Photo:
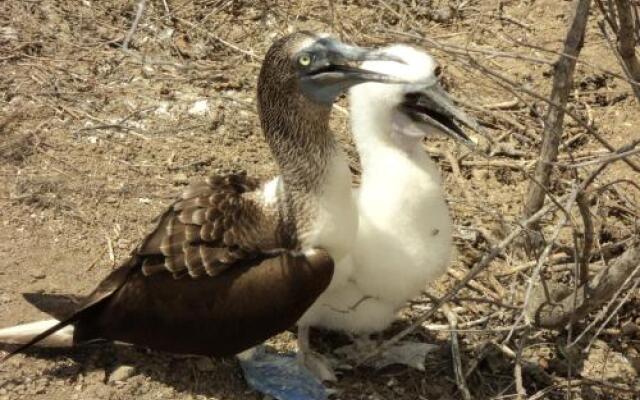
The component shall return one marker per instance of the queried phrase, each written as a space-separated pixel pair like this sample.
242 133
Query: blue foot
280 376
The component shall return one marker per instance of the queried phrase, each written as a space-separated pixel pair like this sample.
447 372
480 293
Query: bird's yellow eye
304 60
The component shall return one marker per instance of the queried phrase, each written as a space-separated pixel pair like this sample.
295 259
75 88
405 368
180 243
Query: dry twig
620 20
455 352
553 315
225 43
134 25
562 83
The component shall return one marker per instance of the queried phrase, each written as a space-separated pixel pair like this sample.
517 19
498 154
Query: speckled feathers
215 223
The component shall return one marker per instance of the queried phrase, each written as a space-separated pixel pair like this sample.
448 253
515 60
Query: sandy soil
95 141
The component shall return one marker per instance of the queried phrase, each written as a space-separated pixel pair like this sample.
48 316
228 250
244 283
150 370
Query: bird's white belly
379 287
403 243
346 308
391 264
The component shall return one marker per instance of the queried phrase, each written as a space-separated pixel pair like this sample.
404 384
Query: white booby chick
404 236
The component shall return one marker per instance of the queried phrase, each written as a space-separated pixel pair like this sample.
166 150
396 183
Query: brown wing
213 225
215 316
216 226
218 316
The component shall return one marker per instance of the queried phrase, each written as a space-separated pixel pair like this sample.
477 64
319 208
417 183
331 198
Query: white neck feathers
336 221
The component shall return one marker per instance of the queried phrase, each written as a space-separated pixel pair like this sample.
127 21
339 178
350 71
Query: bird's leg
363 343
313 361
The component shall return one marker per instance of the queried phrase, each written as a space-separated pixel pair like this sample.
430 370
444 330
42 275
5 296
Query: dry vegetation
101 124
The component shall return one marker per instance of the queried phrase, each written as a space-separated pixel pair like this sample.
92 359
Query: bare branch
225 43
134 25
500 78
455 352
626 43
562 83
587 239
517 369
589 297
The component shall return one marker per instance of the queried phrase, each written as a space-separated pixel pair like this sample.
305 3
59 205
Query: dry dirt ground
96 140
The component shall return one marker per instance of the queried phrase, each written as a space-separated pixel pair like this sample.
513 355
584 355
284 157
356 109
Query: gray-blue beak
431 105
330 73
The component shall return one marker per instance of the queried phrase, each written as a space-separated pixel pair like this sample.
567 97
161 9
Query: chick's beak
432 106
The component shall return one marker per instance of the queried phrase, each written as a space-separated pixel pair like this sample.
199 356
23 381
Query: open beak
432 106
335 72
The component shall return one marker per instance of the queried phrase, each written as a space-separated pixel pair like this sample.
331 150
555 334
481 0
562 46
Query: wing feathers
152 266
213 225
172 244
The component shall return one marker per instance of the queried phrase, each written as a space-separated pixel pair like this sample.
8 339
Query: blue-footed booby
404 238
233 261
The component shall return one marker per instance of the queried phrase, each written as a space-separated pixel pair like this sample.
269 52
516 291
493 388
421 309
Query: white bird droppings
200 107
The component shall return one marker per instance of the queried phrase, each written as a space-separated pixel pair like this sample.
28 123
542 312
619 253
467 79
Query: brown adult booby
233 262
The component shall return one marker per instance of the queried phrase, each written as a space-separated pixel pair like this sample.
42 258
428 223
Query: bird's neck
316 180
302 145
404 158
392 160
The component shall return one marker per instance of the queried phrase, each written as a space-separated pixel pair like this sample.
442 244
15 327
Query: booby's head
316 66
413 110
301 76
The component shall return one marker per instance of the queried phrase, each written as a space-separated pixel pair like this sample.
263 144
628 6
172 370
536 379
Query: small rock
200 107
444 14
147 71
180 178
166 34
122 373
8 34
162 109
479 174
123 244
618 368
204 364
467 234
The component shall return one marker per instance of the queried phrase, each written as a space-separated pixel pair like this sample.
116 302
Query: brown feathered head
301 76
